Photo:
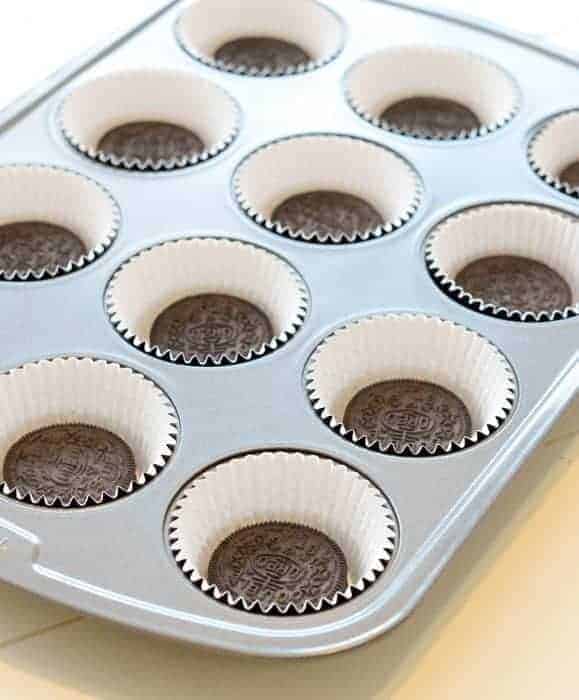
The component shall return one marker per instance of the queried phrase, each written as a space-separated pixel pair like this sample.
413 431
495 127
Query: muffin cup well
413 347
194 266
209 24
538 233
300 164
291 487
94 108
553 148
71 390
390 76
39 193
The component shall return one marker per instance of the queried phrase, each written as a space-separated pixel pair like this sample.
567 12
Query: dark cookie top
262 53
211 325
408 413
35 246
155 141
69 461
430 116
327 213
515 283
571 175
278 564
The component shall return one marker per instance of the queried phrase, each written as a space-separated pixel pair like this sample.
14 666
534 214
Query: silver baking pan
114 560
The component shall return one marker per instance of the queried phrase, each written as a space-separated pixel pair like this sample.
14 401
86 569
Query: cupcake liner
387 77
291 487
413 347
70 390
194 266
300 164
46 194
180 98
538 233
209 24
553 148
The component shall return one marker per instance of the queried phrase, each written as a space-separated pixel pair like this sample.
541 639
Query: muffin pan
360 325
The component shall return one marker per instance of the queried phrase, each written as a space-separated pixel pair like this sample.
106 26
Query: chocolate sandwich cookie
262 53
36 246
430 116
408 413
515 283
570 175
278 564
327 213
154 141
211 326
69 462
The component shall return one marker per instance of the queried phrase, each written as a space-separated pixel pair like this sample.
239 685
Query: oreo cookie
431 117
69 462
150 141
262 54
211 326
570 175
327 213
36 246
278 564
408 414
515 283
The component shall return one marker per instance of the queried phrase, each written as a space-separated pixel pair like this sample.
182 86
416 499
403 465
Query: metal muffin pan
113 560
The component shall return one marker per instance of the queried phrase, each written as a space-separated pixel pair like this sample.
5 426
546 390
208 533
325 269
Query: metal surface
113 560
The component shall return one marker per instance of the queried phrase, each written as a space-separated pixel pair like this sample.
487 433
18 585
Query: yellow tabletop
501 622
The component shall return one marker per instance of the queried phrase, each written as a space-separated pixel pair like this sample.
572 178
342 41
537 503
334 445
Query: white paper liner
63 198
300 164
283 487
209 24
70 390
414 347
538 233
554 148
390 76
177 97
158 277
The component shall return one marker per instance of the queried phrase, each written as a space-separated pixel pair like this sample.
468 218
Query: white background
38 36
